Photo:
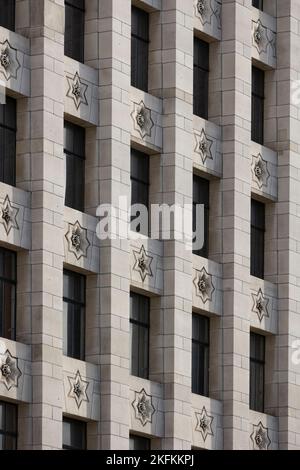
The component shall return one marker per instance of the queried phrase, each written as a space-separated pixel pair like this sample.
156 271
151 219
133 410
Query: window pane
200 355
139 331
74 315
8 426
139 49
257 238
74 434
7 14
258 85
201 196
74 30
139 443
7 293
201 71
257 366
258 4
8 142
75 166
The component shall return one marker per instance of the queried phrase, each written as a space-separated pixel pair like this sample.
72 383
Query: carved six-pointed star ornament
260 38
77 239
142 119
204 285
260 171
203 146
9 370
260 437
78 389
204 423
143 407
142 263
8 215
9 63
77 90
260 305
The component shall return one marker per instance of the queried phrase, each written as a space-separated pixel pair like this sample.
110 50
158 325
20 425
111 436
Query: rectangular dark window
139 49
257 239
8 285
74 315
200 355
258 103
139 184
139 443
257 372
74 29
7 14
201 71
201 197
258 4
8 132
8 426
74 434
139 333
75 166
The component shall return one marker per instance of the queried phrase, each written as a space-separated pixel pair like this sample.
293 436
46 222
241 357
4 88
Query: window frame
84 437
11 282
142 440
12 434
203 191
259 4
257 252
201 69
142 369
9 107
258 105
140 51
82 306
200 385
73 200
257 399
80 55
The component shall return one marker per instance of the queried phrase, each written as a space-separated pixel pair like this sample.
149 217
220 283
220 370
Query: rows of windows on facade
74 432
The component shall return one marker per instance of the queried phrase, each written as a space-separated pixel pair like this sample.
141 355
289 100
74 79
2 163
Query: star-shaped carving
260 171
143 407
142 119
9 370
78 389
202 9
143 263
204 423
204 285
8 216
77 90
78 242
260 305
203 146
260 437
9 63
260 39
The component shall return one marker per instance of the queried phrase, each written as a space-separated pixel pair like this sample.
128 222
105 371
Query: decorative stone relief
78 389
143 407
204 423
78 242
9 64
260 437
77 90
260 305
10 372
263 38
142 119
204 285
206 9
203 146
9 216
143 263
260 172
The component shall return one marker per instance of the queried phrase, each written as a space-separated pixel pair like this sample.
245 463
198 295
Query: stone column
236 84
176 161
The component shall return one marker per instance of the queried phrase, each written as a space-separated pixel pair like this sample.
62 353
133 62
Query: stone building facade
44 384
